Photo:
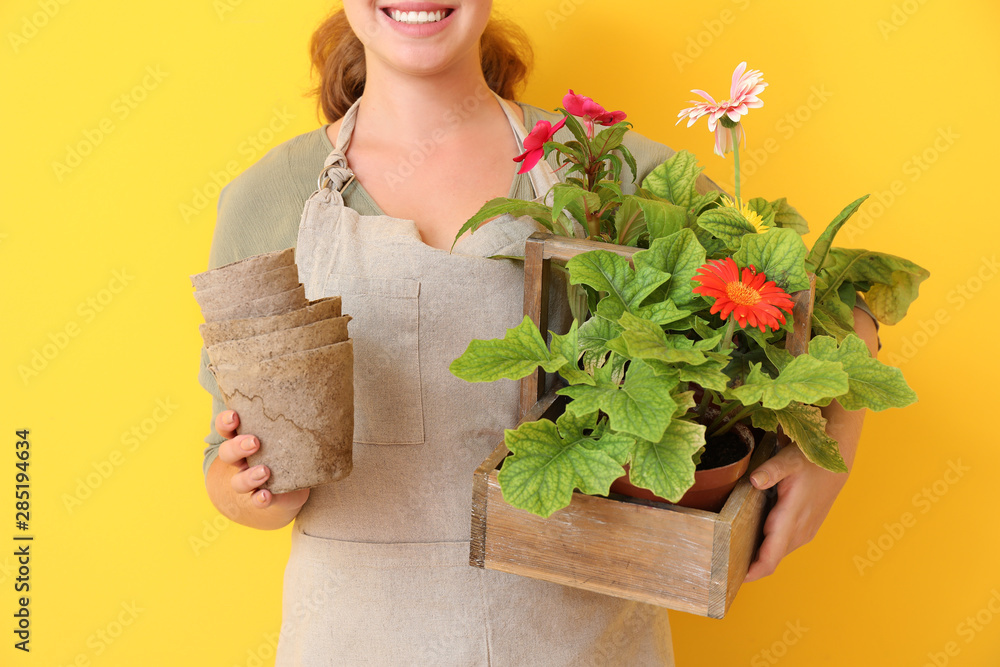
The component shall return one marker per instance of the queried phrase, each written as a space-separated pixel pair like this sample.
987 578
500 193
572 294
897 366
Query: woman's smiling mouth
416 17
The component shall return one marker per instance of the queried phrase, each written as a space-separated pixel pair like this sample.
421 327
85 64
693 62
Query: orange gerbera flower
751 298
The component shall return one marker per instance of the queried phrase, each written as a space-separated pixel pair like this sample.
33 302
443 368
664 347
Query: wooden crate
676 557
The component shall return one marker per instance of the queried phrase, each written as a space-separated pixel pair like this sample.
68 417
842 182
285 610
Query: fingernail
259 473
249 444
261 497
759 479
229 418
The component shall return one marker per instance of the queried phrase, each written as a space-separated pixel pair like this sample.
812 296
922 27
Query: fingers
237 449
772 550
777 468
248 480
777 534
226 423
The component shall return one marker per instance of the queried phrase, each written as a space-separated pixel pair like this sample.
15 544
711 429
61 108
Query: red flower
591 112
534 143
751 297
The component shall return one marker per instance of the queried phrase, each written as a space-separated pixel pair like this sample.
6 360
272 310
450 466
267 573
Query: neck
398 107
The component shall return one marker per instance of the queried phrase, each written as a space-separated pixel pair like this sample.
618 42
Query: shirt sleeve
258 212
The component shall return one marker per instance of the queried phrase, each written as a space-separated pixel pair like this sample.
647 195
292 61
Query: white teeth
416 17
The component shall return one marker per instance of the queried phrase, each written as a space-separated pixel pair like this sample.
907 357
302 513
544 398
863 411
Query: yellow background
142 569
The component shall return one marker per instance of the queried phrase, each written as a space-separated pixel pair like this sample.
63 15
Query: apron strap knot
335 175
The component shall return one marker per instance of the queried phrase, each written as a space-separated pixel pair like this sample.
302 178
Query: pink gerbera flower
534 143
751 298
724 117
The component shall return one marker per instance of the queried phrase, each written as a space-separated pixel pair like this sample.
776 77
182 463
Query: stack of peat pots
284 364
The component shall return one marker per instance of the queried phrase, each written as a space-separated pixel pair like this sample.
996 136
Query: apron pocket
385 329
354 603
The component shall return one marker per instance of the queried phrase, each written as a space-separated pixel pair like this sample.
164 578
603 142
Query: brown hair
339 57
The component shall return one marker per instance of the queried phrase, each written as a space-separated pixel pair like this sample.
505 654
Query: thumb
776 468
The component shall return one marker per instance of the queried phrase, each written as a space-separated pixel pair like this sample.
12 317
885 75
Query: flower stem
706 398
736 159
734 420
723 411
726 343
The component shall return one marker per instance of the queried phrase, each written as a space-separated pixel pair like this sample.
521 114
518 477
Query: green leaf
685 401
550 460
778 356
638 215
714 248
787 217
726 224
833 316
848 294
500 205
616 364
805 379
674 180
662 312
629 160
817 256
572 149
780 254
574 199
826 318
567 346
703 201
895 282
630 222
593 337
646 340
681 255
872 384
513 357
642 406
765 420
574 126
760 206
609 190
805 425
662 218
609 138
708 374
666 466
608 272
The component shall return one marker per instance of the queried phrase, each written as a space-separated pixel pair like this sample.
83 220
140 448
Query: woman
378 572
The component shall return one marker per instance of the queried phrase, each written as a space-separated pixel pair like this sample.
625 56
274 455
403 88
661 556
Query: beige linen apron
379 571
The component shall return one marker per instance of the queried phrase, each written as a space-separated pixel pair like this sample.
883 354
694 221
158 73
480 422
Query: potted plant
696 323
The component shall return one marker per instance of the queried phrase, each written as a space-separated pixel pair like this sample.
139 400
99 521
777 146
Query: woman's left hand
805 495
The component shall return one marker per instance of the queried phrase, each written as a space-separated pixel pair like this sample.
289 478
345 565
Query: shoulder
259 210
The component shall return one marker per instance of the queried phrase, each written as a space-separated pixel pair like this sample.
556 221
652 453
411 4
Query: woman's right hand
248 479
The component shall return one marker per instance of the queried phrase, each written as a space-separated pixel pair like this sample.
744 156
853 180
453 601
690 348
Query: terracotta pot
711 487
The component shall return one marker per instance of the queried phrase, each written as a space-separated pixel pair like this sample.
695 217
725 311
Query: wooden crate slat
606 546
536 306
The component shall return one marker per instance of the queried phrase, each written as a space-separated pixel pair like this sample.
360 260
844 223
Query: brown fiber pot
711 487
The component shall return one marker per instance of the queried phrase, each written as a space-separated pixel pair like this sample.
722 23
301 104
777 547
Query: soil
722 451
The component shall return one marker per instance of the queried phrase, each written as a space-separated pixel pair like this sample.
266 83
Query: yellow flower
751 216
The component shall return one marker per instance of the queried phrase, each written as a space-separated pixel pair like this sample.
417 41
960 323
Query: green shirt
259 211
